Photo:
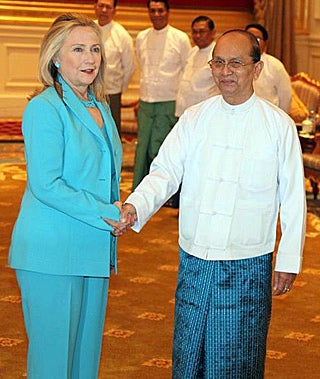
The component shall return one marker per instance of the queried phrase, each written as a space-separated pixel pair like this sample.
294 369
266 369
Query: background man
119 53
238 158
197 83
161 51
274 82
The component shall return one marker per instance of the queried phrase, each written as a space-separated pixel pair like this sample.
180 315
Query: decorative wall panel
224 4
302 14
20 55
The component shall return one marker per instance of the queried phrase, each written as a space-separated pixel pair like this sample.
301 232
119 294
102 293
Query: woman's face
80 58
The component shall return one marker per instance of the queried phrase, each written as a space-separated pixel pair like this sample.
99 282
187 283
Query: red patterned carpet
138 328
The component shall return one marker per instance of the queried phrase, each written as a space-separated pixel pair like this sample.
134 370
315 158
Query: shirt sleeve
292 202
128 60
185 50
165 175
284 88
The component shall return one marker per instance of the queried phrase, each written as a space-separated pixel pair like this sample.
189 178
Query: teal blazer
73 177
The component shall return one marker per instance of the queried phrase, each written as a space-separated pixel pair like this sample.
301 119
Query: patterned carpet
10 130
138 328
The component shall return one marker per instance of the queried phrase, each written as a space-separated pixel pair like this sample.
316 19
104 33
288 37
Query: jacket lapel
84 117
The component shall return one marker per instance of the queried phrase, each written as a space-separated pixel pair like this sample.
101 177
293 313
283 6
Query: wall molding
23 24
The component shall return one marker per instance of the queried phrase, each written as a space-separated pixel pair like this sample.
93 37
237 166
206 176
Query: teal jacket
73 177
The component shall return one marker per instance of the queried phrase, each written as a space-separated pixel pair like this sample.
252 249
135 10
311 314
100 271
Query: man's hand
127 219
128 214
283 282
118 204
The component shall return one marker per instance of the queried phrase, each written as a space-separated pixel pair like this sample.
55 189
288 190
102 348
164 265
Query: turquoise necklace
88 103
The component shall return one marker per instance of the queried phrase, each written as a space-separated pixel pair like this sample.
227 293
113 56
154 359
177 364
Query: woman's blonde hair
52 44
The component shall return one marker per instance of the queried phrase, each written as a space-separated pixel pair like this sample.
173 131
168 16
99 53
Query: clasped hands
128 217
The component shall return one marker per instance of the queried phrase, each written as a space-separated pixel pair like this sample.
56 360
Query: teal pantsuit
155 121
64 318
61 248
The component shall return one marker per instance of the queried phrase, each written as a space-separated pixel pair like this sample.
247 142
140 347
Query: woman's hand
127 219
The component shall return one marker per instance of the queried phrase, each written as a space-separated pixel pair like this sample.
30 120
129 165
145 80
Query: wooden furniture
307 89
311 160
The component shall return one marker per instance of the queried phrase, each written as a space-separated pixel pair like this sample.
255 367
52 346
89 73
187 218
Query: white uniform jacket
162 56
120 59
274 83
239 165
197 83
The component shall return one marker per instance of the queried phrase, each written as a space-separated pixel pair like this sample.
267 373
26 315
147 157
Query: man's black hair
262 29
114 3
207 19
165 2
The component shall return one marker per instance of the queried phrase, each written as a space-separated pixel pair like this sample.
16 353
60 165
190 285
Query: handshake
128 217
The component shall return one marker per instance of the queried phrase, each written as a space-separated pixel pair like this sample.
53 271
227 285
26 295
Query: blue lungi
222 315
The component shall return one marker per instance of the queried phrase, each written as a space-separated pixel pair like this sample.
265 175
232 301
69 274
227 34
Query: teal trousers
64 319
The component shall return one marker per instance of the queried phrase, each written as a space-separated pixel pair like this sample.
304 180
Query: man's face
159 15
105 11
258 34
201 34
235 84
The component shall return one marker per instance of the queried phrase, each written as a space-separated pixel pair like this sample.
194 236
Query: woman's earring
57 64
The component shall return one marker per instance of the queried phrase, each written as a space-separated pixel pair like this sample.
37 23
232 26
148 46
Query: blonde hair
52 44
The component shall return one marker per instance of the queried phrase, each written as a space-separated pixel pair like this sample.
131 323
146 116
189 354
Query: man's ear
258 67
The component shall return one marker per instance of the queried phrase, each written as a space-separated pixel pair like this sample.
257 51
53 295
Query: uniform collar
243 107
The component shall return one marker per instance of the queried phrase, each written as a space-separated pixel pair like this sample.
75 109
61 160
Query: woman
62 249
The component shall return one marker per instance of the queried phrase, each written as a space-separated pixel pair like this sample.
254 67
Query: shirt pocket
252 225
259 171
171 61
113 57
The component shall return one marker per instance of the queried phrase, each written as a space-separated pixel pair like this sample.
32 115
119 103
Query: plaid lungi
222 315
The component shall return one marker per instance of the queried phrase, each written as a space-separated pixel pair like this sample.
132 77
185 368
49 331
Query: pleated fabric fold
222 316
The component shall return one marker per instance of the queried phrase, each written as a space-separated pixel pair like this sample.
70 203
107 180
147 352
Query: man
239 161
161 51
119 55
197 84
274 82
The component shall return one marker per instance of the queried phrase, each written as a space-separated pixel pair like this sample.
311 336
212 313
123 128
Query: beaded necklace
88 103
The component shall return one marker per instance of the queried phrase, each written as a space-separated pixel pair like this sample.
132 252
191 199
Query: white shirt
119 57
238 165
274 83
161 55
197 83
